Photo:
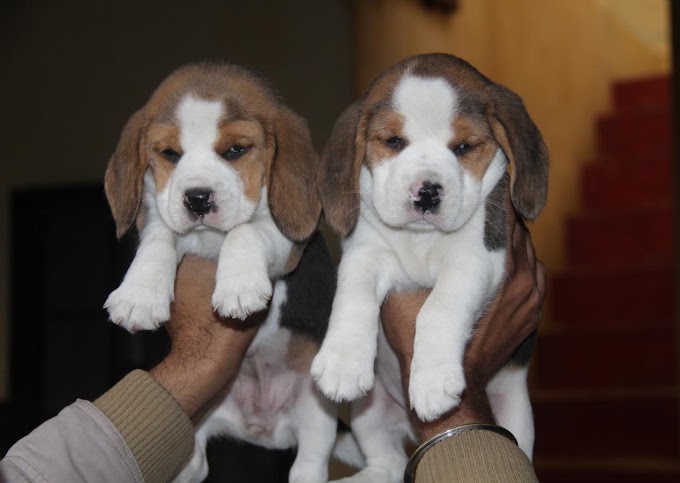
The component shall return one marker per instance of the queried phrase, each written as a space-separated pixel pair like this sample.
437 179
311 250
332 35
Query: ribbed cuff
475 452
155 428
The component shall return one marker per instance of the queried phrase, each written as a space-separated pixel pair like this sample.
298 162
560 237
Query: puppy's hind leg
510 403
380 426
317 424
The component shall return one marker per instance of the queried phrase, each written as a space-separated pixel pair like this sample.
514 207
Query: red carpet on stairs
604 373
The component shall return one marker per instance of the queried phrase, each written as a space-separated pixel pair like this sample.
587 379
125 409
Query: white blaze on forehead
428 105
198 121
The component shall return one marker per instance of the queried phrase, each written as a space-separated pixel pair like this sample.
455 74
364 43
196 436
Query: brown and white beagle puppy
216 165
417 176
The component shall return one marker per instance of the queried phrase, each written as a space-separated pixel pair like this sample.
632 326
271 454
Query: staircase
605 371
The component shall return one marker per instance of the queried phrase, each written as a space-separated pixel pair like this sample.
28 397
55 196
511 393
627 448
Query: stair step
653 158
611 239
615 323
628 294
629 184
633 133
611 470
642 93
641 426
605 358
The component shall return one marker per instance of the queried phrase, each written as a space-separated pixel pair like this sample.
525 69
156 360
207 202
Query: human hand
510 318
207 349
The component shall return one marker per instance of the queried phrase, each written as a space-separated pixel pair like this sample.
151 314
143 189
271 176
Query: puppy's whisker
356 208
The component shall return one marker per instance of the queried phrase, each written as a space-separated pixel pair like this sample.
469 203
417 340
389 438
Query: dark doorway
65 261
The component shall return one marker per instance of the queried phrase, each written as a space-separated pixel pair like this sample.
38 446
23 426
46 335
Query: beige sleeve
155 428
471 456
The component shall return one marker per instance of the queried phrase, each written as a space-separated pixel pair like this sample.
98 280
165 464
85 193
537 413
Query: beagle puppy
417 177
216 165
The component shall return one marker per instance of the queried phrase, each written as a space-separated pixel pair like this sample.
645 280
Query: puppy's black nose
198 201
428 196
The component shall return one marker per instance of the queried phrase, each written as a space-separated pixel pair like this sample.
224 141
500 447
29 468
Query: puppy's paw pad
239 296
343 373
435 390
138 308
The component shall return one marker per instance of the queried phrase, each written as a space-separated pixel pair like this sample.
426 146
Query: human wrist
474 408
205 356
193 383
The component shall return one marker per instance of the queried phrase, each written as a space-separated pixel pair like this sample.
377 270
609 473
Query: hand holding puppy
207 349
511 317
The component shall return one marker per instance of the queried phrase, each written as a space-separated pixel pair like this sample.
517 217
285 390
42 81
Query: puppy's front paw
239 296
138 307
343 371
436 389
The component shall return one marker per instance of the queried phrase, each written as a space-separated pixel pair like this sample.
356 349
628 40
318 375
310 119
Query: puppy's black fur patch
495 237
310 292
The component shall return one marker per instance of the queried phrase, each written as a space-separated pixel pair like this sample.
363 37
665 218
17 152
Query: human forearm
206 349
194 379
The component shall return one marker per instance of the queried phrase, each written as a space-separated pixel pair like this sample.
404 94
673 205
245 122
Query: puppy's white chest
420 258
202 242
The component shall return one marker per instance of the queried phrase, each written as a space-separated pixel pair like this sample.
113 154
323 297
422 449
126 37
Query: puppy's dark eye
396 143
234 152
462 149
171 155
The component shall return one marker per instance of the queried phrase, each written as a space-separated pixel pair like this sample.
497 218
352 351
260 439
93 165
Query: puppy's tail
346 447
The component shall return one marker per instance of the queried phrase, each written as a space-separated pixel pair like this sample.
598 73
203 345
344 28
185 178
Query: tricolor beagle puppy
216 165
417 176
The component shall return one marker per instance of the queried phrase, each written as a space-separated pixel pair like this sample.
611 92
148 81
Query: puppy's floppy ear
293 199
523 145
124 180
340 167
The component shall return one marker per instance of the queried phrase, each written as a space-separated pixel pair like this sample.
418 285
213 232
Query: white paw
433 390
343 371
239 295
138 307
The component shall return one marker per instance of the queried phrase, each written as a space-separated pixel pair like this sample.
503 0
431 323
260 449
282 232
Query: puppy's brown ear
339 170
523 145
124 180
293 200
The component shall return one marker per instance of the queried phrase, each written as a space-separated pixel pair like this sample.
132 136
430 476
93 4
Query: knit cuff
155 428
475 452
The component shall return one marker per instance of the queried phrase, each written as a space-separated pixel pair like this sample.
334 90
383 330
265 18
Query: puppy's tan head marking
487 116
260 138
384 135
473 144
242 143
